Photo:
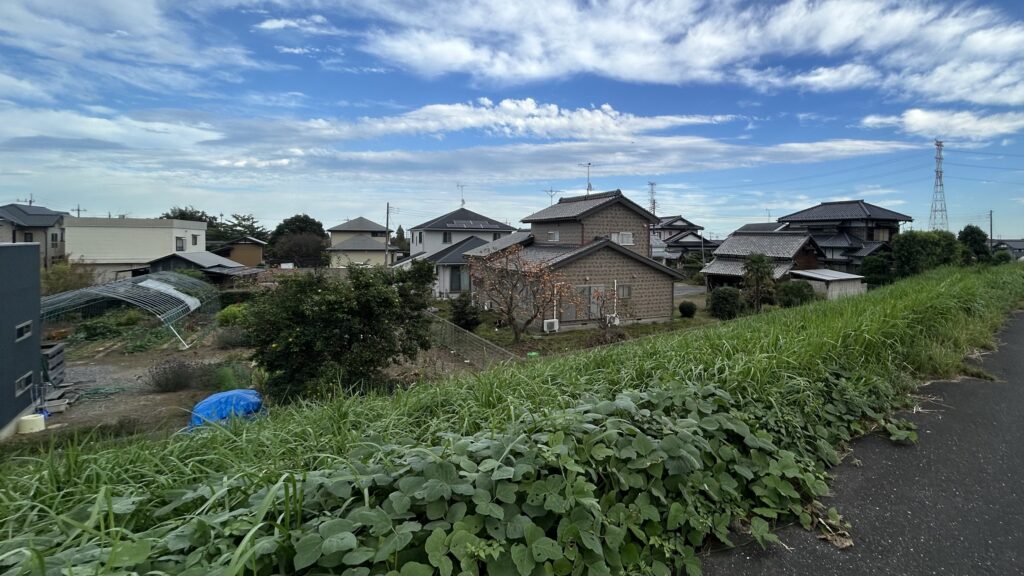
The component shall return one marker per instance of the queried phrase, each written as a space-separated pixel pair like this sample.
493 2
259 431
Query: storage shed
20 360
831 283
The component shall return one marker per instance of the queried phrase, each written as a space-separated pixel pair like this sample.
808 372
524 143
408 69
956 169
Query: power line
969 151
812 176
986 180
985 167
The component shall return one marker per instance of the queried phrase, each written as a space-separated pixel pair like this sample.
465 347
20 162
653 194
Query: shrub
465 314
795 293
231 337
758 281
232 315
98 328
176 374
66 276
915 252
315 325
725 303
877 270
687 309
1002 257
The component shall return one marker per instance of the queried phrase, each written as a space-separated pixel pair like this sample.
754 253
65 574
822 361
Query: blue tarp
224 405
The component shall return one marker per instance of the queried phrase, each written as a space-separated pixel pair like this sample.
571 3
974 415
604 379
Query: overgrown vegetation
795 293
465 314
176 374
66 276
316 326
725 303
626 459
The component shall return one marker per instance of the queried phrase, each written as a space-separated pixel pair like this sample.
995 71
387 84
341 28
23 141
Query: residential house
216 268
27 223
848 230
20 361
601 245
246 250
360 241
668 226
788 251
452 228
691 243
122 247
452 267
1014 247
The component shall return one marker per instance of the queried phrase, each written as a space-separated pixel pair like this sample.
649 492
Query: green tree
758 280
725 303
65 276
877 269
314 326
465 314
975 243
400 240
304 248
915 252
298 224
215 229
245 225
1002 257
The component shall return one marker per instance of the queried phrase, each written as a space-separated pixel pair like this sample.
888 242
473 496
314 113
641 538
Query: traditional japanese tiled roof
845 210
867 249
500 244
577 207
734 267
675 223
203 259
463 219
763 227
358 224
771 244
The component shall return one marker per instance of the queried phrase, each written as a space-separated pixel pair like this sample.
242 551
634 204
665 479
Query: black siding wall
19 303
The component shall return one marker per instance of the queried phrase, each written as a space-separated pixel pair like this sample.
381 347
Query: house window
446 237
22 331
625 291
552 235
53 240
61 234
496 235
179 243
27 236
622 238
419 237
23 383
195 239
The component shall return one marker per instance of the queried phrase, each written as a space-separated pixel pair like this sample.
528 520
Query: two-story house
122 247
848 230
452 228
360 241
25 223
601 245
787 250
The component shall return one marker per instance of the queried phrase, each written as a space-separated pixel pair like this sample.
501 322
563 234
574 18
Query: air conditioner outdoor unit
551 325
612 319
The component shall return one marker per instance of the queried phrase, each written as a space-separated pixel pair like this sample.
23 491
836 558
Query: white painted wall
129 241
433 239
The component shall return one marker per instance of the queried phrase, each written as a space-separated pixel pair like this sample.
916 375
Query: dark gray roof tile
463 219
845 210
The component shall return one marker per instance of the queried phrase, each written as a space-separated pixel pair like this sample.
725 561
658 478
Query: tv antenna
30 200
653 200
462 192
78 210
551 194
588 165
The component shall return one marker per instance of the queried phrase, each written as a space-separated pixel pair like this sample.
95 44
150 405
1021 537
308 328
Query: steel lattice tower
939 219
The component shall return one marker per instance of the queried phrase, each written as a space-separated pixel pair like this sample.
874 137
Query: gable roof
763 227
845 210
1011 244
781 245
202 259
869 248
500 244
734 267
675 223
578 207
358 244
689 238
358 224
463 219
826 275
456 253
30 216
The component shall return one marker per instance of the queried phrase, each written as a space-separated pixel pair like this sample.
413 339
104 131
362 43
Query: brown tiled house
788 251
600 244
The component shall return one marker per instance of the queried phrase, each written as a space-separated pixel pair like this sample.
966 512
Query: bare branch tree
520 290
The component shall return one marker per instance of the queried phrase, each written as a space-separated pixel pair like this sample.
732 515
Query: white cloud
299 50
950 123
312 25
21 89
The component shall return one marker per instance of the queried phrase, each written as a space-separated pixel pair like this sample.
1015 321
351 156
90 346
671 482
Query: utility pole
588 165
551 194
990 231
78 210
387 235
653 201
939 219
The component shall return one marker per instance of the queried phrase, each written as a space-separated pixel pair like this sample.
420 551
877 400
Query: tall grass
881 342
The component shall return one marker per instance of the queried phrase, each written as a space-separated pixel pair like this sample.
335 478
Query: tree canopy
975 243
298 224
758 280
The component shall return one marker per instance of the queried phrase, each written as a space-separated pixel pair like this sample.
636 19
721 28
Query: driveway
952 504
684 290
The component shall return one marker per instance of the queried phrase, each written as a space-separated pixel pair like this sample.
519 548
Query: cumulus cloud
949 123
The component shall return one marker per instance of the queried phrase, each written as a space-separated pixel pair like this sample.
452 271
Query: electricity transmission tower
653 201
939 219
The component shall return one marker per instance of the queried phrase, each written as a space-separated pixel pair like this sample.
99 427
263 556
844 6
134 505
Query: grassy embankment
631 457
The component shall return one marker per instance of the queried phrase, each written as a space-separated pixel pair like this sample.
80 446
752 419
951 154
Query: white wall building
116 246
452 228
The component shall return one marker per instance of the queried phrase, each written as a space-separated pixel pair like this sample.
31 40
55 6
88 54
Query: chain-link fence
478 351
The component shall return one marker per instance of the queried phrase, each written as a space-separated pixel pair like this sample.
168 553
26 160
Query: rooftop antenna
78 210
588 165
551 194
769 212
654 202
30 200
462 192
939 219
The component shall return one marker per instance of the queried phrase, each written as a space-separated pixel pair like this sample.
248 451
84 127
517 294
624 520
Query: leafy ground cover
625 459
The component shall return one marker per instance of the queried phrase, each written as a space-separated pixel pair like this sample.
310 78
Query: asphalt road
682 290
953 504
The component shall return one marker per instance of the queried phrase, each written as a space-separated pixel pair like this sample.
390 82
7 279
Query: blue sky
737 110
